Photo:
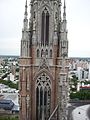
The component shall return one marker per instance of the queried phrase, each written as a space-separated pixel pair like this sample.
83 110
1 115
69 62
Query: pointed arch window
43 97
46 52
45 28
50 53
42 29
42 52
38 53
34 16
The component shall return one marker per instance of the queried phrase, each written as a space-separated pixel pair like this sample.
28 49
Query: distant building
1 97
6 106
89 72
85 87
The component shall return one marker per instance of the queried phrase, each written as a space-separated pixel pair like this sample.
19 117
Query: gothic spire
26 13
25 17
64 13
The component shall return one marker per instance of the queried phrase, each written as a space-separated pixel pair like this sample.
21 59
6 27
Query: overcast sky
78 25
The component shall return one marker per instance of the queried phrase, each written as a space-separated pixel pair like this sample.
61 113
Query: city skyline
78 24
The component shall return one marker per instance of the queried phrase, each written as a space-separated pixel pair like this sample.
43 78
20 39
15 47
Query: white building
79 73
89 72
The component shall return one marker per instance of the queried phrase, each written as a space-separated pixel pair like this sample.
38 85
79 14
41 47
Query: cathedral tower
44 62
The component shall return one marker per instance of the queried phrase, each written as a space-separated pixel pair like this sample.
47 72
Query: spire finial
25 16
26 10
64 13
64 7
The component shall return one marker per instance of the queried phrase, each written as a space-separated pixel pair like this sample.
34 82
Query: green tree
73 83
9 83
9 118
81 95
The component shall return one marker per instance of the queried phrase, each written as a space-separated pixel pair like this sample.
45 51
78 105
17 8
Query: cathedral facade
43 62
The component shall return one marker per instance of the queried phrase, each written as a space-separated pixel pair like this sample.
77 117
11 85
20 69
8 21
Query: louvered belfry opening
45 28
43 97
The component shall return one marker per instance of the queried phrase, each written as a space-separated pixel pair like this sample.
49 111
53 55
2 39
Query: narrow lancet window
42 29
38 53
46 52
50 53
42 52
45 28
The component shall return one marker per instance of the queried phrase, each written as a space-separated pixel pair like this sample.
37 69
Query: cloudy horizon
78 25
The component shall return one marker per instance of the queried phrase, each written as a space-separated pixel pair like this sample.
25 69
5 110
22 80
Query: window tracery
43 96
